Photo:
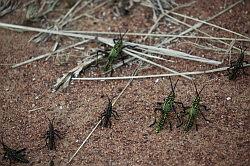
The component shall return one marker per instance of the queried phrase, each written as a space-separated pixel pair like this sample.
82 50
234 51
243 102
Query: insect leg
244 72
179 119
115 114
21 150
46 140
153 123
204 117
100 52
233 64
57 133
109 123
180 103
129 47
159 103
196 126
245 62
170 125
156 109
205 107
111 71
115 40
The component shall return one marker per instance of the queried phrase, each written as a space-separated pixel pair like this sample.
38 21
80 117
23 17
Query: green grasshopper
166 108
235 66
195 110
114 53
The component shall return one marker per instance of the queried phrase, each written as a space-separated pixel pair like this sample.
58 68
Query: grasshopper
14 155
235 66
195 110
114 53
106 115
50 136
166 108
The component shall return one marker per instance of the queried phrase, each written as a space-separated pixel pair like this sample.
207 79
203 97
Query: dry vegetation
48 55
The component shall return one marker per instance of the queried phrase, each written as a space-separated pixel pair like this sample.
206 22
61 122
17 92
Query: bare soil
130 140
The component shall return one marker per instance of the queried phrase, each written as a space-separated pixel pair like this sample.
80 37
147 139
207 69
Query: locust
14 155
113 54
51 135
236 66
107 114
194 111
166 108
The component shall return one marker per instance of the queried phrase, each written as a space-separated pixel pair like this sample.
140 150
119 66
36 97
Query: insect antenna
108 98
175 84
51 121
121 36
242 50
173 87
197 94
171 84
201 90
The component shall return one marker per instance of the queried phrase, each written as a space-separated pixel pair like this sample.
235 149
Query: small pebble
228 98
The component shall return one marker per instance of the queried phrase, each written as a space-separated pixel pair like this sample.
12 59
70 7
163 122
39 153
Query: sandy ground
130 141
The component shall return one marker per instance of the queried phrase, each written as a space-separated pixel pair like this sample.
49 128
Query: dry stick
160 6
209 19
86 139
229 51
174 53
101 39
200 24
153 27
157 21
210 24
194 27
73 35
48 54
155 76
73 12
59 23
104 40
155 64
212 48
71 9
88 12
157 35
35 109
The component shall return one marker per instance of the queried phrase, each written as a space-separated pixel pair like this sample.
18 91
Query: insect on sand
195 110
51 135
113 54
236 66
166 108
107 114
13 155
